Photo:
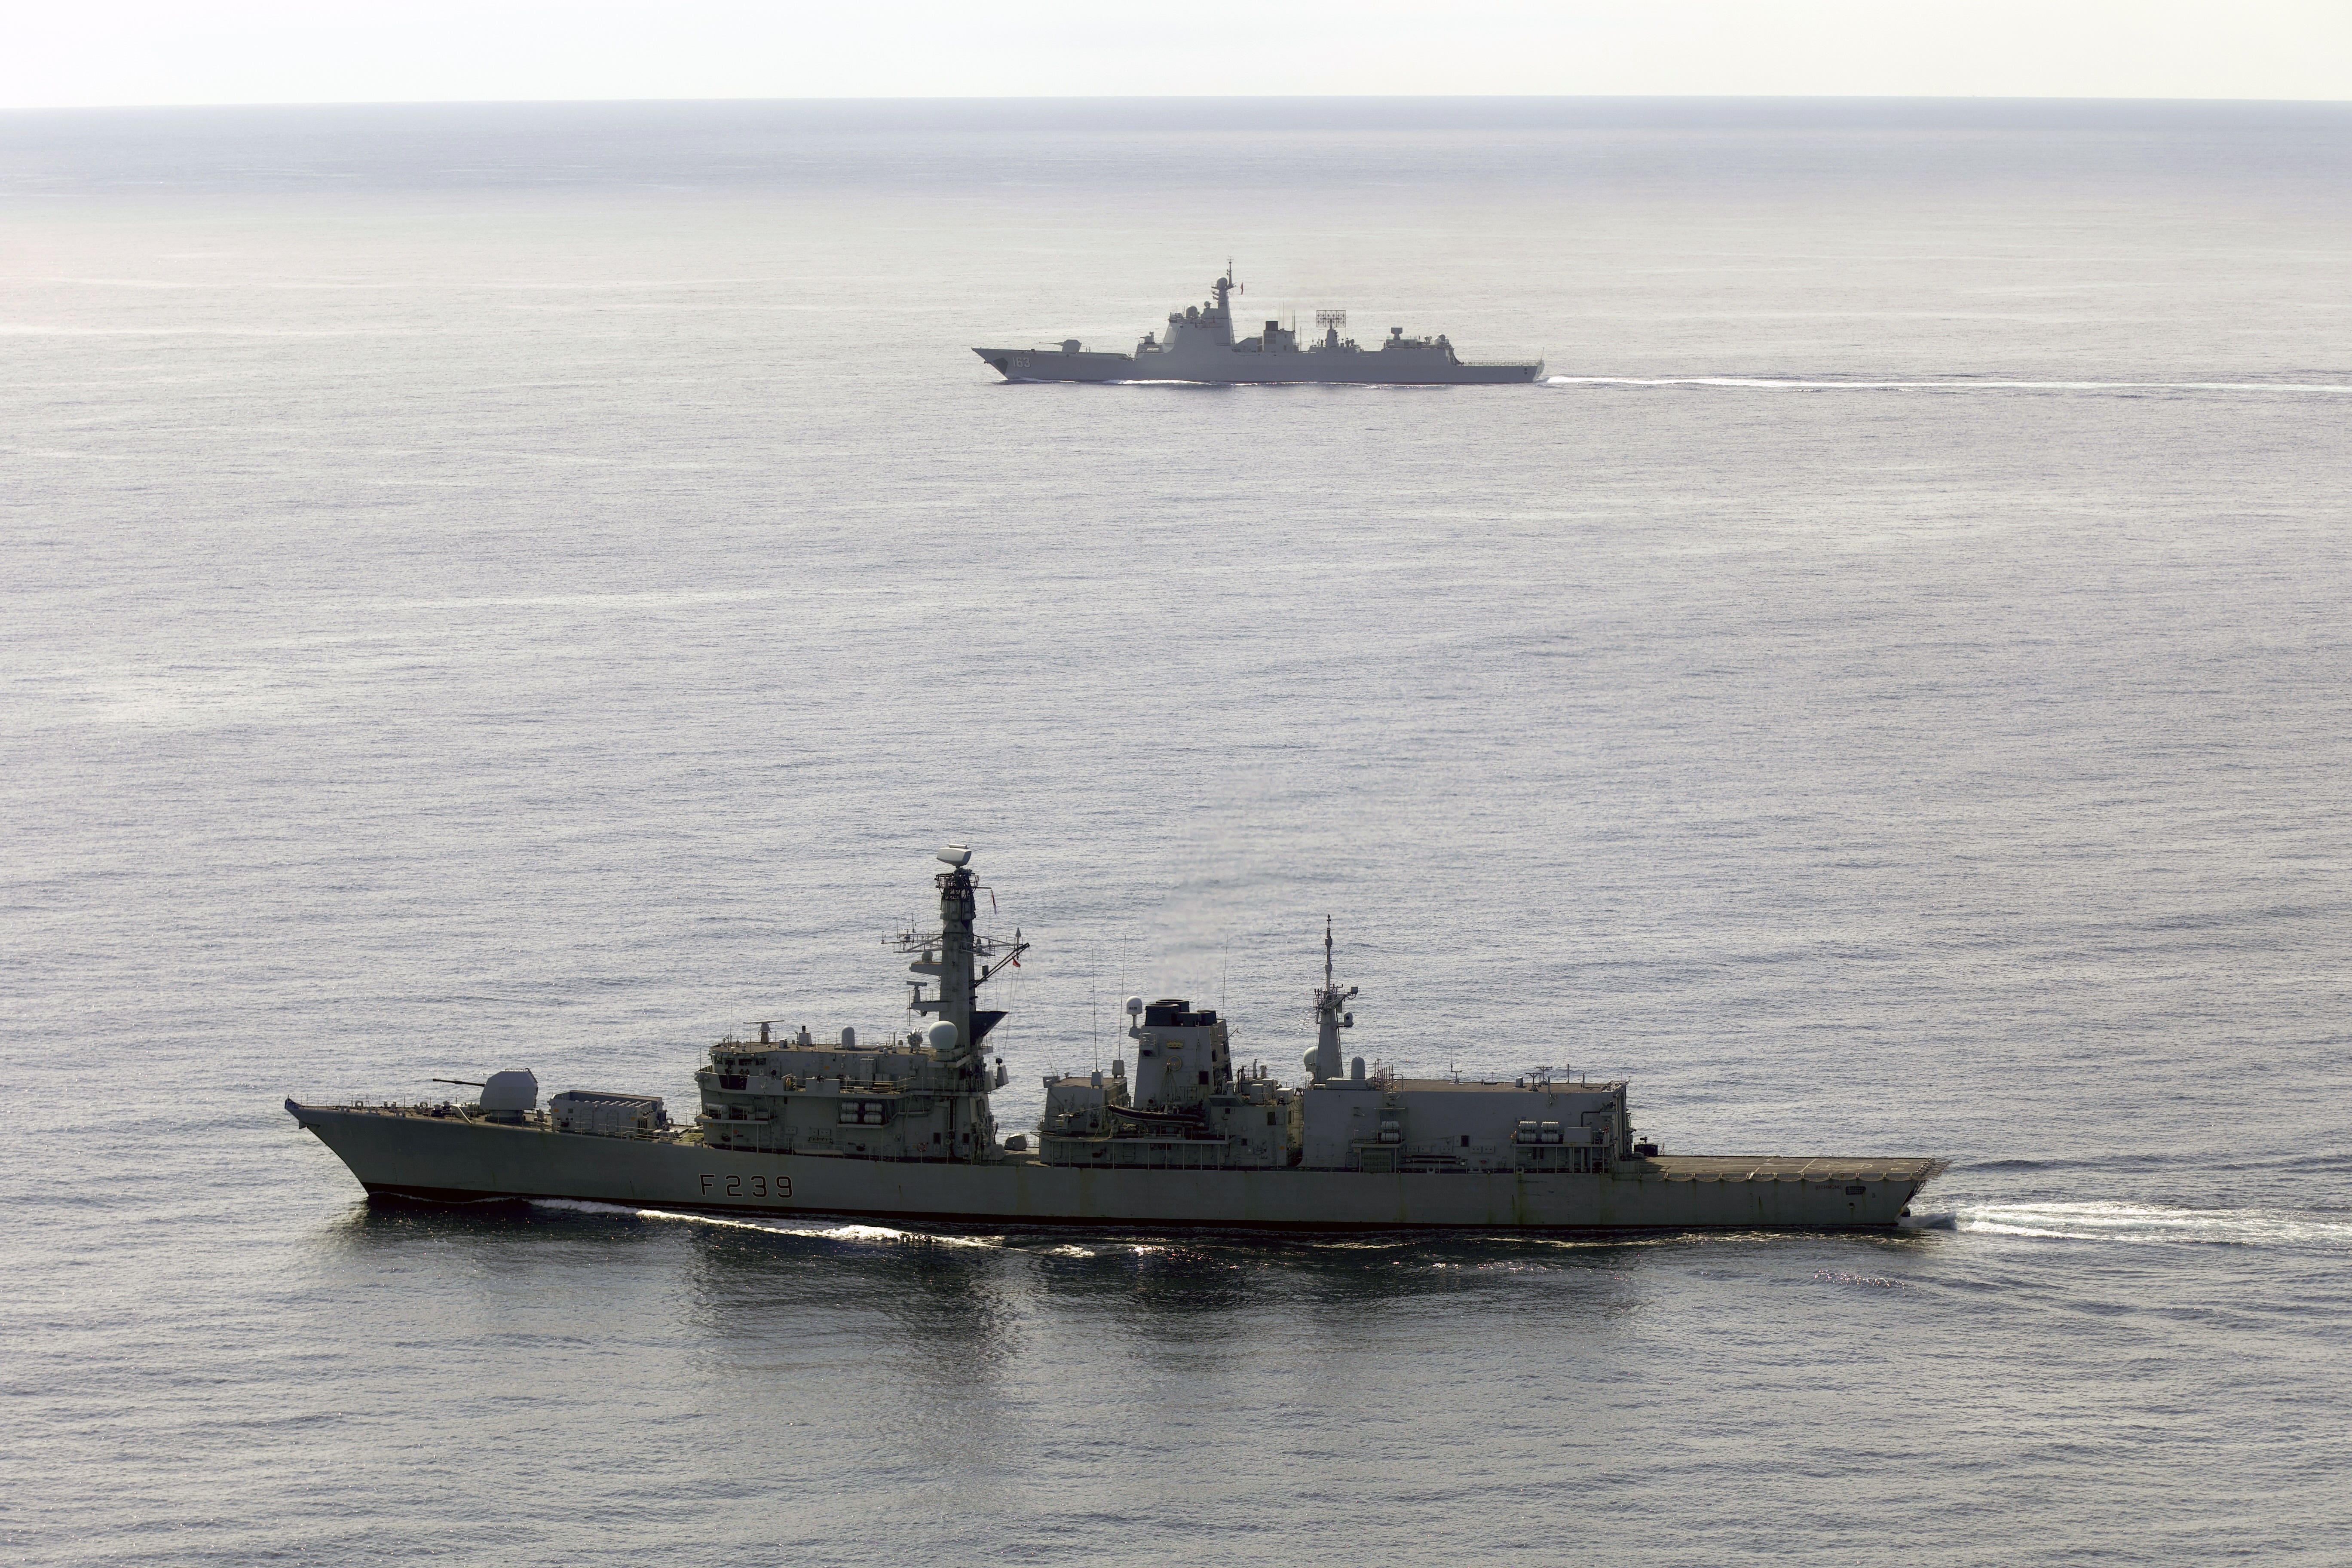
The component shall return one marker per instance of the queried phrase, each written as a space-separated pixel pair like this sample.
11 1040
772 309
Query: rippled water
530 587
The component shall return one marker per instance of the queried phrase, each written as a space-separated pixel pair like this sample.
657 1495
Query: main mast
958 957
1220 318
1323 1062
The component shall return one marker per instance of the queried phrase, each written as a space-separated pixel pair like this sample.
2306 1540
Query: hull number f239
746 1186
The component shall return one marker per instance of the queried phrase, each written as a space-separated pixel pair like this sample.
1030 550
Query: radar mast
960 958
1323 1062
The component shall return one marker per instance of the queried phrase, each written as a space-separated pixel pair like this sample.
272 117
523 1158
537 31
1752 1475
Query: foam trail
867 1233
1948 385
2156 1223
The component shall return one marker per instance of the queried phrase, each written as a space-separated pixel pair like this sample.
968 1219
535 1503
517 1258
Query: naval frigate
1189 1135
1200 346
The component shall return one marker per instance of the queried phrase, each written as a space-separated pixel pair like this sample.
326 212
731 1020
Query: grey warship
1188 1135
1200 346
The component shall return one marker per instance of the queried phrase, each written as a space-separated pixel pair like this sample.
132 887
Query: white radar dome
957 854
941 1037
1134 1005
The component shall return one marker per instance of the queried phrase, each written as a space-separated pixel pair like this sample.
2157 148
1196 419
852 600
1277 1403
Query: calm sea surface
500 587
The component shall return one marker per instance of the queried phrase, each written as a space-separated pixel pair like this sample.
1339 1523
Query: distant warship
1188 1136
1201 346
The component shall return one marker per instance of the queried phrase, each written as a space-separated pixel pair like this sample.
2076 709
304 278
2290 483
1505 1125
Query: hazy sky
61 52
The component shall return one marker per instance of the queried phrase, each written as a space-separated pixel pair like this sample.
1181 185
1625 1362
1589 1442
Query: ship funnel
957 854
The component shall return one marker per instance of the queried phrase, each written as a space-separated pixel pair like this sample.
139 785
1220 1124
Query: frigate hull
1181 1132
1246 369
399 1153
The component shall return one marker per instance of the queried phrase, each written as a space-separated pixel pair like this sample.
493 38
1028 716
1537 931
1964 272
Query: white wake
880 1234
1946 384
2156 1223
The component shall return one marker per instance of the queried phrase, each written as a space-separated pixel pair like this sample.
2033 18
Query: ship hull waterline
425 1159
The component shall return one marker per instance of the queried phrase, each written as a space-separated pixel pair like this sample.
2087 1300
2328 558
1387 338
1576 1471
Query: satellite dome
941 1037
957 855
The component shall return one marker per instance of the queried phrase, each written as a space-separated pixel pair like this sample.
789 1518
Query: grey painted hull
1237 369
400 1155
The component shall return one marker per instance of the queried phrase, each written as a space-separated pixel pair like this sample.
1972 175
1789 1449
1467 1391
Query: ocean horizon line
1505 105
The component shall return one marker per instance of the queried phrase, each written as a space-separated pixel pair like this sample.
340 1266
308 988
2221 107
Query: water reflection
493 1228
809 1358
746 1276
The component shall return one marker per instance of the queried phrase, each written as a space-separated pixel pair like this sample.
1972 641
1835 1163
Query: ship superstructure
1189 1135
923 1097
1200 344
